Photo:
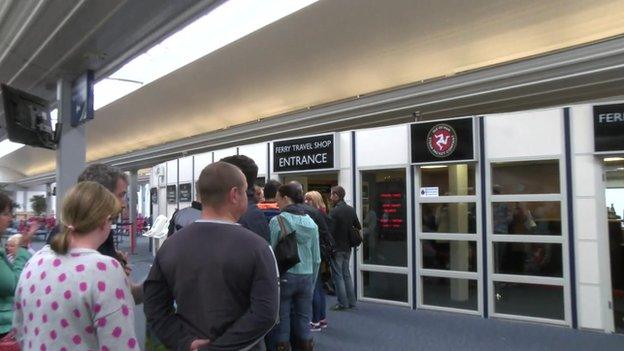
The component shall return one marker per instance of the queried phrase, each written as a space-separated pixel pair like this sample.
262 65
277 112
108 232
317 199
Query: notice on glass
431 191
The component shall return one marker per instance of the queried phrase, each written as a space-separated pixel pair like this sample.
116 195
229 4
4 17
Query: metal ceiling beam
588 72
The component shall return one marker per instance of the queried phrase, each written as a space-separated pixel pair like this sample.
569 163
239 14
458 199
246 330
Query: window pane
385 286
543 301
458 217
528 259
532 177
449 292
384 217
451 180
538 218
450 255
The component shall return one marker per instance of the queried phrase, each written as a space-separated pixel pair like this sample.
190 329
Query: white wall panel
524 134
382 146
186 169
584 176
171 209
344 150
219 154
201 161
587 260
583 128
585 221
345 180
590 316
258 152
172 172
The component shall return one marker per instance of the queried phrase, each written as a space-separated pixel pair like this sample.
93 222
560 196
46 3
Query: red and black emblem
442 140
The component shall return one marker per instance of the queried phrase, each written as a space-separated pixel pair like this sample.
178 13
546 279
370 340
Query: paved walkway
378 327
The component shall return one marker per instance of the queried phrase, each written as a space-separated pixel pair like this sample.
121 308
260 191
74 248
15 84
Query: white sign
431 191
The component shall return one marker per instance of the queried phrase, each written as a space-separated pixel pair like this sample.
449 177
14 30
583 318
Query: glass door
384 264
448 238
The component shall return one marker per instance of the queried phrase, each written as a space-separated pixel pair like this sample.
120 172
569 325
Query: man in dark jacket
253 219
222 277
343 220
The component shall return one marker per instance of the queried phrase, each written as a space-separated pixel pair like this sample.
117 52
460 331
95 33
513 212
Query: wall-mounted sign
185 192
609 128
303 154
443 141
171 194
154 195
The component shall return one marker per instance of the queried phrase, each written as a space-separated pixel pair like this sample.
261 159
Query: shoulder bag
355 237
286 251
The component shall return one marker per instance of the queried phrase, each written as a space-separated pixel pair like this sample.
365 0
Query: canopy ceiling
329 51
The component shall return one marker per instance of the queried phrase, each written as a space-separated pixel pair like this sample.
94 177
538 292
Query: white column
133 205
49 203
71 151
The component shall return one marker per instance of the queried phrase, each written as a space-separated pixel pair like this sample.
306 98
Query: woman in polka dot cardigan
69 296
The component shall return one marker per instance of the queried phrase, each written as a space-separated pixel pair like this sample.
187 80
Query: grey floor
381 327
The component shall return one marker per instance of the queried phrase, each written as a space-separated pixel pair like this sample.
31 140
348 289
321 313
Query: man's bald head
216 181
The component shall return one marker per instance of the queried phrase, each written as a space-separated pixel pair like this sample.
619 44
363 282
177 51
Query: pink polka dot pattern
101 322
48 290
77 339
104 348
40 262
44 318
28 274
117 332
83 286
30 316
42 275
56 262
77 313
38 303
101 266
53 335
131 343
89 329
80 268
97 308
101 286
125 310
67 294
36 331
63 349
42 347
62 277
64 323
32 289
115 263
119 293
54 306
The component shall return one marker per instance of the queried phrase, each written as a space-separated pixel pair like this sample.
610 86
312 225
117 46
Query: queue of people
215 285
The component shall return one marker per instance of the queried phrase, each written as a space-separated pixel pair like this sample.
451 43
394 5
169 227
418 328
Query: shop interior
321 182
614 196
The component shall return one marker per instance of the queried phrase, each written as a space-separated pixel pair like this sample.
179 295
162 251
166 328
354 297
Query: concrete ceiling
330 51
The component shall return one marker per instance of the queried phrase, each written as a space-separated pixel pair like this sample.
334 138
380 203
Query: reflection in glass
538 218
449 255
458 217
543 301
385 286
384 218
528 259
532 177
449 292
451 180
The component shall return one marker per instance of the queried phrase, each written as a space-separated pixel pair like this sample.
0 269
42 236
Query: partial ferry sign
185 192
303 154
441 141
609 128
172 194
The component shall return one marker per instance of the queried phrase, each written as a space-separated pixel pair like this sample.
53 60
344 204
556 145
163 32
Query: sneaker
323 323
338 307
315 327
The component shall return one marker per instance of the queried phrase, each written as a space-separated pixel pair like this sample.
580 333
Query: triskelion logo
442 140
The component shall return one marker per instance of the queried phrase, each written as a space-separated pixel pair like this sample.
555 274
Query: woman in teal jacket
9 272
297 284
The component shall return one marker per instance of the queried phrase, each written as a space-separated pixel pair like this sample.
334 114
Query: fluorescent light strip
613 159
6 147
227 23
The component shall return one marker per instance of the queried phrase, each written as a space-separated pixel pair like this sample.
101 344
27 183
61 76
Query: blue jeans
318 301
342 279
296 297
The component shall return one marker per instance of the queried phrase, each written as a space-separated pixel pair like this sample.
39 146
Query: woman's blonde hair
317 199
15 238
86 206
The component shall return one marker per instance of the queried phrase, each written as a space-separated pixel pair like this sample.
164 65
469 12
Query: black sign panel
154 195
171 194
312 153
443 141
609 128
185 192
